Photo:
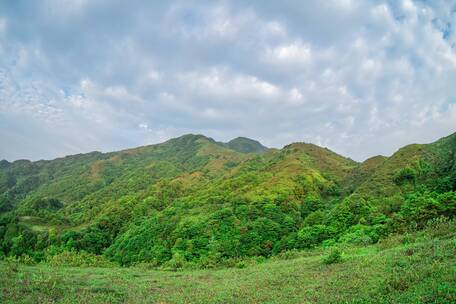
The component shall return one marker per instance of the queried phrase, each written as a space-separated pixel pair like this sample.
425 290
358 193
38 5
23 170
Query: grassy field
409 268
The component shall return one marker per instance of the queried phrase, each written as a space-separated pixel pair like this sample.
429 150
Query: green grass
409 268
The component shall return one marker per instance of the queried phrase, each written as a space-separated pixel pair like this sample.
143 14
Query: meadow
415 267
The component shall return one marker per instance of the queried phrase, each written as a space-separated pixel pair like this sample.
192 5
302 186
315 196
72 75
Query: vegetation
335 256
245 145
404 268
193 203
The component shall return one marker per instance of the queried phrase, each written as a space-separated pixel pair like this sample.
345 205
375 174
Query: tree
310 204
311 236
404 175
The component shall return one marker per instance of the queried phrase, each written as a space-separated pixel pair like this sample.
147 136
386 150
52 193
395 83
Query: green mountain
192 200
245 145
431 166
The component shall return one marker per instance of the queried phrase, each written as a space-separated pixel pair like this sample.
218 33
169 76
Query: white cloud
293 53
223 84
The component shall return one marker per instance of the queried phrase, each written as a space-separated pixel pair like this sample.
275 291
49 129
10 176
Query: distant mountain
192 199
246 145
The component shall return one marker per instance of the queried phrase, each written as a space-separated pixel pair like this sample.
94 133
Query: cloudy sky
360 77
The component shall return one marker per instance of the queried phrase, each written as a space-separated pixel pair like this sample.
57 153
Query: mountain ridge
197 199
3 162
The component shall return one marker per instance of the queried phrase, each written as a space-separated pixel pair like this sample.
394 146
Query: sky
359 77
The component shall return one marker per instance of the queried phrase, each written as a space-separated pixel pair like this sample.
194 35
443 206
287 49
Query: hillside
410 268
99 176
194 201
431 166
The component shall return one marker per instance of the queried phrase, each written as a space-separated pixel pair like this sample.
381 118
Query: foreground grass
411 268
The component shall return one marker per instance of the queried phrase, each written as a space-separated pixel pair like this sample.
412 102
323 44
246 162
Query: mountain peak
245 145
192 136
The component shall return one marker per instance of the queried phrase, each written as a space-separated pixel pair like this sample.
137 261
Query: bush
438 227
310 204
362 235
311 236
78 259
11 267
404 175
26 260
350 212
51 204
315 218
214 260
421 207
288 255
334 256
328 243
177 262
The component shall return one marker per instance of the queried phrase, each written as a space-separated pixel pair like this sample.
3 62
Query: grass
409 268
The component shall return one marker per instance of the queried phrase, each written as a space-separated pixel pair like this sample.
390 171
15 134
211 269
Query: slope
417 166
412 268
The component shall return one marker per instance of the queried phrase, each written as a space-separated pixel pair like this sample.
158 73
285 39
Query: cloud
361 77
294 54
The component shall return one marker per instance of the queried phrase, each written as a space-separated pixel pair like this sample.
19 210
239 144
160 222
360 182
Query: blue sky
359 77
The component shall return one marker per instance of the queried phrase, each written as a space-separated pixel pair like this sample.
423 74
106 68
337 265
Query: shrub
311 236
334 256
51 204
315 218
328 243
289 254
145 265
404 175
350 212
177 262
11 267
421 207
361 235
78 259
310 204
26 260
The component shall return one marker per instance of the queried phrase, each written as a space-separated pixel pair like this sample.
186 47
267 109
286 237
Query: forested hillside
194 201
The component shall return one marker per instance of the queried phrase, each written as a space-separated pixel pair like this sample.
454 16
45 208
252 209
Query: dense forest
195 202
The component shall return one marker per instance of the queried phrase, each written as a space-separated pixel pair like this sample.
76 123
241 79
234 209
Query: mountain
101 176
426 165
194 200
245 145
362 172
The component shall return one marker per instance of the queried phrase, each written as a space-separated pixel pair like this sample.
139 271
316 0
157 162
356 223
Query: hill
245 145
431 166
194 201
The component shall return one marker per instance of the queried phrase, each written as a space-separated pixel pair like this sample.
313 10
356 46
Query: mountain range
192 199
